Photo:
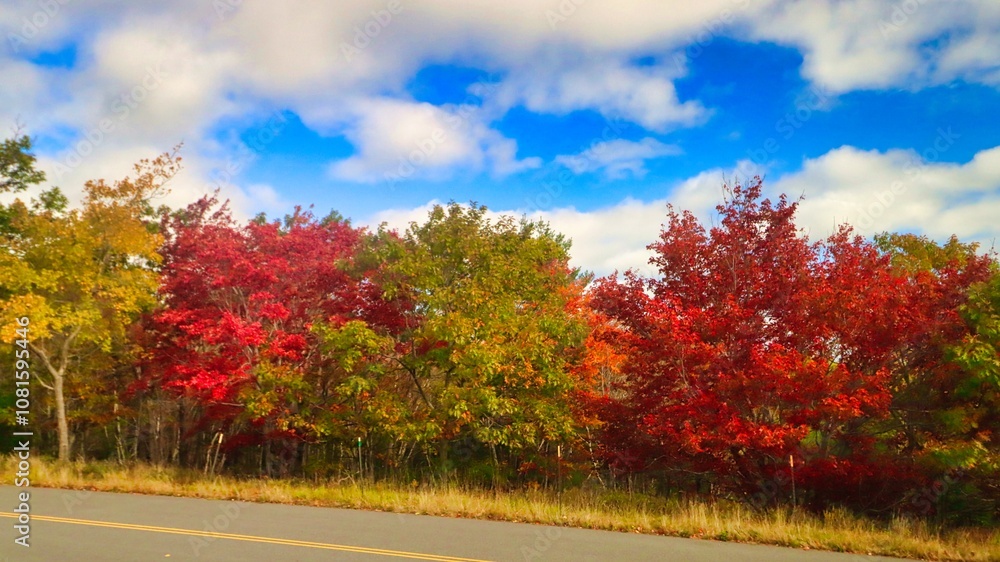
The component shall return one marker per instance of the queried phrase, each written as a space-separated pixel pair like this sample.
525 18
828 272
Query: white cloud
162 84
863 44
259 196
898 190
30 93
700 194
612 238
973 56
344 67
618 158
398 140
293 53
334 64
617 90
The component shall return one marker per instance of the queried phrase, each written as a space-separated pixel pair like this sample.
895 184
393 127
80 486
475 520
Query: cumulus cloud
161 84
618 158
864 44
344 68
307 56
898 190
335 64
615 89
29 95
397 140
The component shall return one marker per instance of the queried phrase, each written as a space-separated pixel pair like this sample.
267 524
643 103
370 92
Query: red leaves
240 301
752 345
750 338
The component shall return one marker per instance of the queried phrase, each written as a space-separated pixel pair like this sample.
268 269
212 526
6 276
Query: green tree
17 165
946 394
17 173
974 422
493 335
979 353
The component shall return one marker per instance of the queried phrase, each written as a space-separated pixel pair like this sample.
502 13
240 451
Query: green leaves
17 165
491 336
979 352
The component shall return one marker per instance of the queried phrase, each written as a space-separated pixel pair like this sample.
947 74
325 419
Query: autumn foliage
754 351
239 304
755 364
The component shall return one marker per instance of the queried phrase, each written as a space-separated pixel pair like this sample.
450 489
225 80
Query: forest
756 365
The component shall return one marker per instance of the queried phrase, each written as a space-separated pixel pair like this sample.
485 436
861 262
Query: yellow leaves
87 271
135 193
13 271
31 306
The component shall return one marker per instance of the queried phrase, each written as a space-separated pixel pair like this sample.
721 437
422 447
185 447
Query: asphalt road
75 526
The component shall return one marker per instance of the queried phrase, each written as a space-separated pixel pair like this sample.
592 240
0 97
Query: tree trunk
57 389
58 378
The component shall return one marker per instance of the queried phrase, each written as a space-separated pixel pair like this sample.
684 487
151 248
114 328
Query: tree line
857 372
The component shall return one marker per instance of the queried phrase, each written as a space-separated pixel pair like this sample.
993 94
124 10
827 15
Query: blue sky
590 114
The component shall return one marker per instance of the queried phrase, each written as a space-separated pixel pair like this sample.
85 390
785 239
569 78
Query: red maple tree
752 344
239 301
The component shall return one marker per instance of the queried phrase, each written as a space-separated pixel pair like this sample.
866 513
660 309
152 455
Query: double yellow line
249 538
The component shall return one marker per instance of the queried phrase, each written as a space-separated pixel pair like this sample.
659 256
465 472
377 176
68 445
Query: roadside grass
836 530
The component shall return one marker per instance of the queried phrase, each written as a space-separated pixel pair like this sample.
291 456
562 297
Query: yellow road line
249 538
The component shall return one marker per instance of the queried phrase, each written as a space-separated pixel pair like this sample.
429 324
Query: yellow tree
82 275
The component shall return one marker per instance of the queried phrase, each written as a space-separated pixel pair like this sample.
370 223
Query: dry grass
836 530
